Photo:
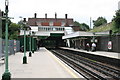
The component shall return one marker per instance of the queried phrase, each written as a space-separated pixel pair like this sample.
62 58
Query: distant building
50 24
49 31
47 26
50 21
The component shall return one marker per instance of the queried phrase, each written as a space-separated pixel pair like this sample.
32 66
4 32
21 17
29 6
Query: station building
49 31
61 32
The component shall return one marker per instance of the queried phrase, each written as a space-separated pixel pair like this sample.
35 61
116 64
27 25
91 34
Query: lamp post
24 57
33 34
6 75
30 54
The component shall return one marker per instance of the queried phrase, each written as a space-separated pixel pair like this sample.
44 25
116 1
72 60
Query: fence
13 46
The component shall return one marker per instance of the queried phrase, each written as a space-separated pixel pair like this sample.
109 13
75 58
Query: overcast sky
79 10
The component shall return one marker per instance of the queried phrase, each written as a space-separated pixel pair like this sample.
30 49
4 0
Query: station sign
109 45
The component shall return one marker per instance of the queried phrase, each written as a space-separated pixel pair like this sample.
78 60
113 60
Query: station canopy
84 34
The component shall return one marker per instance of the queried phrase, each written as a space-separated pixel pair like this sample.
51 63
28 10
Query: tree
14 31
116 19
83 26
3 27
77 23
99 21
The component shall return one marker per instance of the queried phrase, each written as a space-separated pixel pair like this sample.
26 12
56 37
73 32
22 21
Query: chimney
55 15
35 15
66 20
46 15
66 16
24 19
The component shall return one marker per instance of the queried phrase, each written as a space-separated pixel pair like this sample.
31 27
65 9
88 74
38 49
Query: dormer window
51 23
63 24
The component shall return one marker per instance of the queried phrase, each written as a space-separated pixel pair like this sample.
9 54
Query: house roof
36 21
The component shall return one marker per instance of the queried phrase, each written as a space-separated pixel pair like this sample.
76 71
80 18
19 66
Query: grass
102 28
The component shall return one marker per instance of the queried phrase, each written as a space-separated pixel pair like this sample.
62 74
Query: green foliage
13 30
103 28
99 21
3 27
82 26
85 27
116 19
77 23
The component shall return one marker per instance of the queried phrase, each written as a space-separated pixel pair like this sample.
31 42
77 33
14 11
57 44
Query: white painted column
68 42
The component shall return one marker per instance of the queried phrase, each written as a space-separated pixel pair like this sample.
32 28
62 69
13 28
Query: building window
63 24
51 23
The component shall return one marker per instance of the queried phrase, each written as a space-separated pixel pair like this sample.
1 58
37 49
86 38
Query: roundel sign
110 45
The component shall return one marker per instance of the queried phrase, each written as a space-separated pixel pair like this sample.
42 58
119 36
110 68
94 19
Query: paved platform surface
43 64
101 53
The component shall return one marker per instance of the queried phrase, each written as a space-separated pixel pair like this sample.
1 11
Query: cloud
80 10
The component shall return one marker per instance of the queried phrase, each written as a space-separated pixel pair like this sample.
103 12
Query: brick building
50 21
49 31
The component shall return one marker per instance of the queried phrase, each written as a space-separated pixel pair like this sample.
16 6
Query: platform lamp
25 27
6 75
30 53
33 34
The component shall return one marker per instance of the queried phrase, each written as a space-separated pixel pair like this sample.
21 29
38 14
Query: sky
79 10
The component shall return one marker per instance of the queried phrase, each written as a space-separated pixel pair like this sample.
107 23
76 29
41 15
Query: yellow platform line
66 68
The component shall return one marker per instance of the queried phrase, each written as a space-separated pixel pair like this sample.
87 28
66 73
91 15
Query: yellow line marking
66 68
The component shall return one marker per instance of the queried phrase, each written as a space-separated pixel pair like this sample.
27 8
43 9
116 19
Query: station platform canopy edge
82 34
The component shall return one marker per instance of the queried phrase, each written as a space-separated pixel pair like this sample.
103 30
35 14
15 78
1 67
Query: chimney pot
66 15
35 15
46 15
55 15
24 19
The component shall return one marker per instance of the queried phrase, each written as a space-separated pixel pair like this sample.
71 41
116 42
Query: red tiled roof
45 24
58 21
57 24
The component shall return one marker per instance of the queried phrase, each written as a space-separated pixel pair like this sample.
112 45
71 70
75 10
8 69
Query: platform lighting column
6 75
33 33
24 57
30 53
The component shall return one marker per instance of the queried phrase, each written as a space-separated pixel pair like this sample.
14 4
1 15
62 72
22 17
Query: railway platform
100 53
42 64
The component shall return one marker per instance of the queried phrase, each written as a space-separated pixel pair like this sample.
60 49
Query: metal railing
13 47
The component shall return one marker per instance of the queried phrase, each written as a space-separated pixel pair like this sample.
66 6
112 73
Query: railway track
90 69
